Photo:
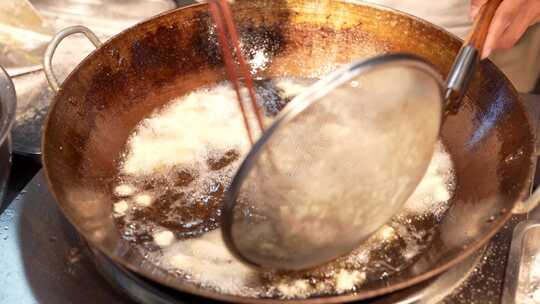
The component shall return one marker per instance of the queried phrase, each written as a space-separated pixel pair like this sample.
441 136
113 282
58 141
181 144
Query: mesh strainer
336 164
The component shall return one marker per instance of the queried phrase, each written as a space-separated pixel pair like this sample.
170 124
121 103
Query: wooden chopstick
222 16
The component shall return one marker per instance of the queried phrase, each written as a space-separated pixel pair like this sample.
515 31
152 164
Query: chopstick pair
220 11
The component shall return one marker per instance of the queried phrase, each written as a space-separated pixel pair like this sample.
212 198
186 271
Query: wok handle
468 57
51 49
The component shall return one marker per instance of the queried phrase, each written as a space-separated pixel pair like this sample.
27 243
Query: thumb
475 7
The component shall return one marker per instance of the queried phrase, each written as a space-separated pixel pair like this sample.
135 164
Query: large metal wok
99 104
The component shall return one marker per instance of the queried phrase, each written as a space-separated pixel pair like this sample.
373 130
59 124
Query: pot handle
51 48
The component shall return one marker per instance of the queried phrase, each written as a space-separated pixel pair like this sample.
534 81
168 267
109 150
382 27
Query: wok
139 70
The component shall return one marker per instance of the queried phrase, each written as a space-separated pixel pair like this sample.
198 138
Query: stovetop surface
42 260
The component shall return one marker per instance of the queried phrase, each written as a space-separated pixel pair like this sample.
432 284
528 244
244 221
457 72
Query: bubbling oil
173 175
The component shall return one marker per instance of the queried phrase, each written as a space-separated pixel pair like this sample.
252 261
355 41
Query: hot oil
176 206
180 194
186 197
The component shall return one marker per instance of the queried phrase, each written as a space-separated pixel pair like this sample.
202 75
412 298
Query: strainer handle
51 49
468 57
477 36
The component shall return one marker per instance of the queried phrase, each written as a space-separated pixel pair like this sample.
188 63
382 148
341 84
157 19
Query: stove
43 260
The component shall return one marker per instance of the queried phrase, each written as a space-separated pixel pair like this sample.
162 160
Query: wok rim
191 288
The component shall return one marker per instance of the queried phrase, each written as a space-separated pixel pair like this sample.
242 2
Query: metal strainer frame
300 103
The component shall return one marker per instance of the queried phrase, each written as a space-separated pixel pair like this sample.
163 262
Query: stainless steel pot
8 105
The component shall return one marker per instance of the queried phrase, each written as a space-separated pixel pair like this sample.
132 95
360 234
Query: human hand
510 22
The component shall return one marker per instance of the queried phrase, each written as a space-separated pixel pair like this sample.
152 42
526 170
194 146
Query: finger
475 7
515 30
504 15
535 12
495 31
